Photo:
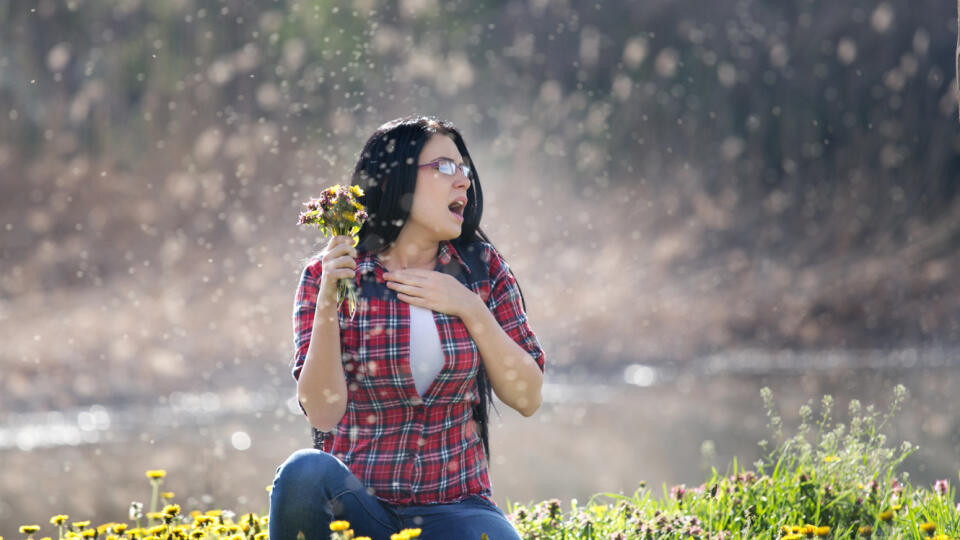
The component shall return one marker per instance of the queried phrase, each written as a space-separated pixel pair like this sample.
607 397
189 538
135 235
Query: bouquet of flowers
337 212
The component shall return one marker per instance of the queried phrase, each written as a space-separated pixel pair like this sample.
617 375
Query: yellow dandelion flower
339 525
896 507
214 513
156 474
154 515
171 510
119 528
831 459
357 191
233 529
260 536
886 515
941 537
88 533
157 530
167 495
866 531
29 529
821 531
81 524
928 528
197 534
59 519
70 535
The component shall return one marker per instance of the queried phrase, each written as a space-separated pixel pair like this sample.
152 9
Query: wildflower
81 524
260 536
886 515
941 537
928 528
821 531
831 459
197 534
29 529
941 487
154 515
167 495
171 510
59 519
119 528
88 533
866 531
157 474
337 212
339 525
136 510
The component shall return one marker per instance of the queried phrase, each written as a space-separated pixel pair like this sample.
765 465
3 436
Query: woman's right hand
337 262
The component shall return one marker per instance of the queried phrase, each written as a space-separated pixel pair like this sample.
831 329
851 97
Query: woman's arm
322 387
514 374
321 383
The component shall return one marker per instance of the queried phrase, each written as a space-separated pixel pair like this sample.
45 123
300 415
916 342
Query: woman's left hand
432 290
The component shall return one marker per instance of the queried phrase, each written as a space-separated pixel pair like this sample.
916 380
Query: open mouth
456 208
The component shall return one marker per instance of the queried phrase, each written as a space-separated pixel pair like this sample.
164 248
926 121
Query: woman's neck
410 253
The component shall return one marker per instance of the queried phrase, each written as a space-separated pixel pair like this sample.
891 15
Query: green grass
829 479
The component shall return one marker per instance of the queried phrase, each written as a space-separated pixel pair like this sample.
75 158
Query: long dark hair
387 172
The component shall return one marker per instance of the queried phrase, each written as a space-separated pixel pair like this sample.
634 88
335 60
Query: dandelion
928 528
866 531
166 495
831 459
171 510
337 211
339 525
136 510
81 525
29 529
821 531
157 474
886 515
59 519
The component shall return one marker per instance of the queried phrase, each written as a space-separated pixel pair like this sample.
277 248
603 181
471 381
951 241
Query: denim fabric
313 488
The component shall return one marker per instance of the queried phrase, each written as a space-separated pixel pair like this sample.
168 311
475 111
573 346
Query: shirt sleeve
304 307
507 307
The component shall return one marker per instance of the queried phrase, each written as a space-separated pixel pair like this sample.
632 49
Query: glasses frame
463 167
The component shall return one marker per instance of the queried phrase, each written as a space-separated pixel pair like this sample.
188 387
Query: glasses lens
467 171
447 167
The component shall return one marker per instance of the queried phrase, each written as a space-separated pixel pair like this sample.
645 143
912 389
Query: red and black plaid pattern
408 449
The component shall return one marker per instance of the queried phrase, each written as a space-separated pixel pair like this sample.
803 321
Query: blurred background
698 199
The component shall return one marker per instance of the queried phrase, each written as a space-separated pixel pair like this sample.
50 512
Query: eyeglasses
448 167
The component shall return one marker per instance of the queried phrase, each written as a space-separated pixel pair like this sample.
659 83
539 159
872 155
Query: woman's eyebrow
445 157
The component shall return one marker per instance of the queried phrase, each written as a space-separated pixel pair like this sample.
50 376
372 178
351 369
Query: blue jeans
313 488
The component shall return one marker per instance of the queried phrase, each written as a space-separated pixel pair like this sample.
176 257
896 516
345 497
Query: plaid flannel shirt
408 449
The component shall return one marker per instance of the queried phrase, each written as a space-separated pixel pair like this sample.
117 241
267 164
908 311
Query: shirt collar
446 254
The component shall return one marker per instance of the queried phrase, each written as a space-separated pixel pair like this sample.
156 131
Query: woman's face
435 192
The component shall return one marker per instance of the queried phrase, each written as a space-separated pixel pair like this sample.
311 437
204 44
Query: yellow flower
81 524
214 513
928 528
260 536
865 531
167 494
59 519
941 537
793 536
29 529
88 533
156 474
886 515
154 515
808 530
340 525
197 534
119 528
821 531
356 190
171 510
831 459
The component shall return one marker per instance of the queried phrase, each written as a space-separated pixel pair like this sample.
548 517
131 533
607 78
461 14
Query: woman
399 393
